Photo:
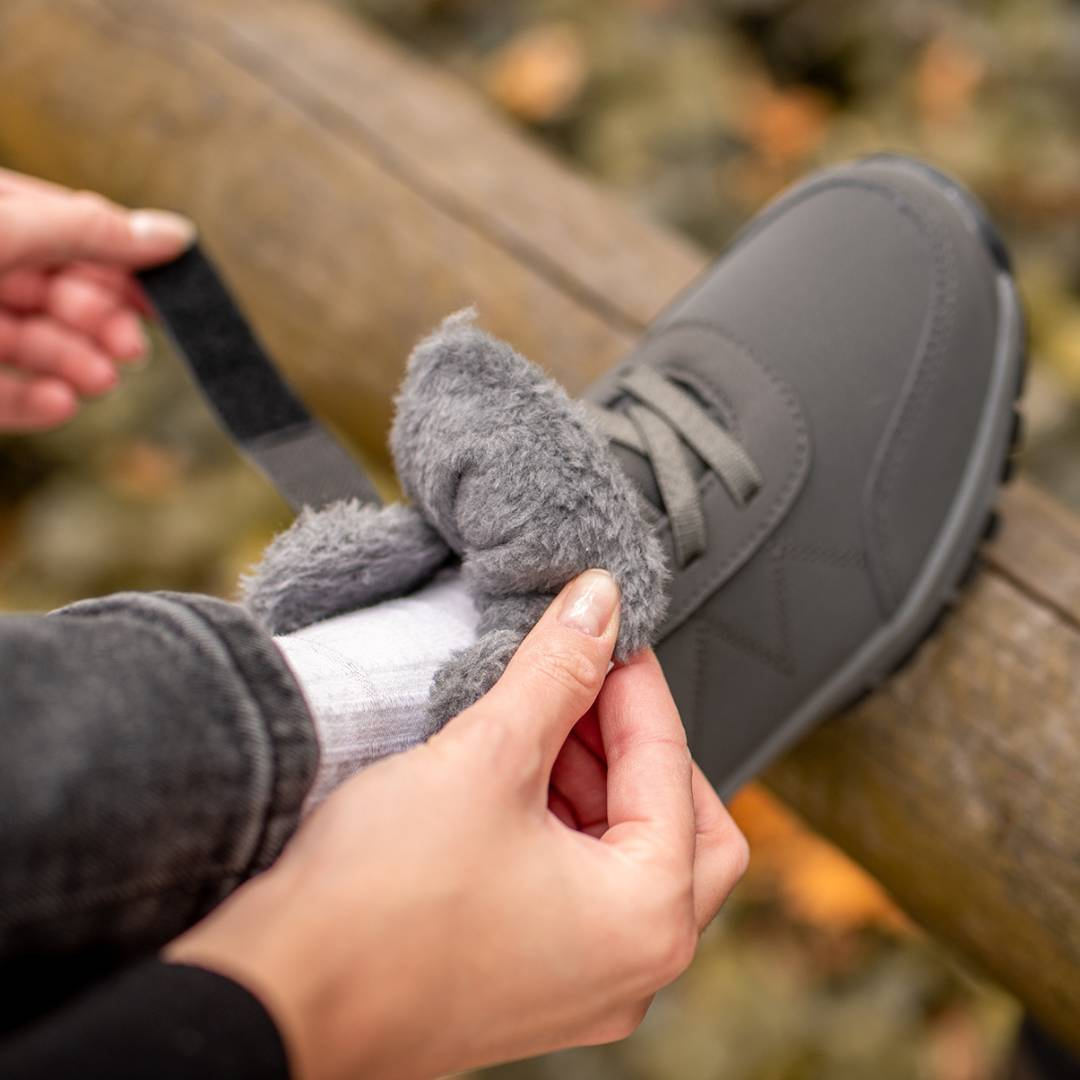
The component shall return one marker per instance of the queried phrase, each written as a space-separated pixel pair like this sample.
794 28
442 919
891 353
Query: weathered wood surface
356 196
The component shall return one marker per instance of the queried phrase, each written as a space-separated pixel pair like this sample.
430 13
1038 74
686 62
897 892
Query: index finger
650 794
13 183
39 229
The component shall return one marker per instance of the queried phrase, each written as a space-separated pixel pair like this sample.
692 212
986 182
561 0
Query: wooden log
356 196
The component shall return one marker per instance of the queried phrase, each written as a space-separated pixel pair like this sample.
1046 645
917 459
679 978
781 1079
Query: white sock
366 675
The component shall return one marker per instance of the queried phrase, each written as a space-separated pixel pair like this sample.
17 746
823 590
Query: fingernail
163 227
590 603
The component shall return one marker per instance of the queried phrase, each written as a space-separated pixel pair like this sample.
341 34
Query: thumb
557 672
39 229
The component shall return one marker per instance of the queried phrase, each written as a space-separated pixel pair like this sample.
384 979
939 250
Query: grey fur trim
469 674
514 477
506 472
340 558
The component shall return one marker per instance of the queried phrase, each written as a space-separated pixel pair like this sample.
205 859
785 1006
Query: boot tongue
639 470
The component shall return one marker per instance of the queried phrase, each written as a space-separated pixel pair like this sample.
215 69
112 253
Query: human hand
523 882
69 306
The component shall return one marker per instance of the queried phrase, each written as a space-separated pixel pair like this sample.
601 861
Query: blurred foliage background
698 111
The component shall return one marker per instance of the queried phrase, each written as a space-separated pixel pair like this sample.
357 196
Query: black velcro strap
251 399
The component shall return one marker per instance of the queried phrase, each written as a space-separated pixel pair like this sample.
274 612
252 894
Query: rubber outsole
954 562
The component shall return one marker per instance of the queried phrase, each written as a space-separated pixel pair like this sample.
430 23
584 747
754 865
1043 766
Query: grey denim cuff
273 727
157 752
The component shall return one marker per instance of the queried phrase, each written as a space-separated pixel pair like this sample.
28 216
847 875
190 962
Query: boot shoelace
662 418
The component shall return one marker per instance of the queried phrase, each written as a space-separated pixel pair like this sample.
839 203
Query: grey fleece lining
505 472
346 556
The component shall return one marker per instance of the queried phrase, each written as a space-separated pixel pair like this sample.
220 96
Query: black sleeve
159 1021
155 752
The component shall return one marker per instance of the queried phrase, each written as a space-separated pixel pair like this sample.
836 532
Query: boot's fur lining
340 558
505 471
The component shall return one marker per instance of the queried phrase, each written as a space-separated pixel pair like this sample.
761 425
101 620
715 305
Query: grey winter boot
822 422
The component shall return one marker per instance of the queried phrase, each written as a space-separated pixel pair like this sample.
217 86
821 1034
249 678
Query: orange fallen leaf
946 79
540 74
816 882
786 125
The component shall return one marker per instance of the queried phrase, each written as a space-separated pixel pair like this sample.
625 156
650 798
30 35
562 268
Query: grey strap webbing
254 404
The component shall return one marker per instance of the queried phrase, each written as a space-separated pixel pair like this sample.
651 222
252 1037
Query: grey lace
660 424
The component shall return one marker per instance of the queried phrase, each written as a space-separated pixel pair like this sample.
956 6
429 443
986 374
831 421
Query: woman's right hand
70 308
523 882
